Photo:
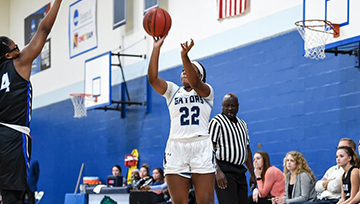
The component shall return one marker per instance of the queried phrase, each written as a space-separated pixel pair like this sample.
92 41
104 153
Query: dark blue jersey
15 96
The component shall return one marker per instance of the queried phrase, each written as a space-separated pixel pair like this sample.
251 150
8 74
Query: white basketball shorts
184 157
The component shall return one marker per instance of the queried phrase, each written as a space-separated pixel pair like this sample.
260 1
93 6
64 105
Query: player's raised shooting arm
155 81
30 52
192 75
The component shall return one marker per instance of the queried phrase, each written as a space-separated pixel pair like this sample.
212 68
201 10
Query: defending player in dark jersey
15 109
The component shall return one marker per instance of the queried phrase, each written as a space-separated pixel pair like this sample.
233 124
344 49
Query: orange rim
335 28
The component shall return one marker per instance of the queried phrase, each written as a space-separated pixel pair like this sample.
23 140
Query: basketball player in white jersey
188 154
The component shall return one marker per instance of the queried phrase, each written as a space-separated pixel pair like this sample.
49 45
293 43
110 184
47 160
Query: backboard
98 80
343 12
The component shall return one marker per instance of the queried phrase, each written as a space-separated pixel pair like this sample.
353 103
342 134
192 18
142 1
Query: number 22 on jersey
5 82
189 117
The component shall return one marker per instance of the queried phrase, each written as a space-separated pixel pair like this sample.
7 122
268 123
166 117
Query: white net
315 33
78 101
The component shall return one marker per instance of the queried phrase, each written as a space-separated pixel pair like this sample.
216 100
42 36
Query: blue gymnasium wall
288 102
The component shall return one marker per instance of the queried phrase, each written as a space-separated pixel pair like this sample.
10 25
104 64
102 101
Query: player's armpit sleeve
170 91
211 95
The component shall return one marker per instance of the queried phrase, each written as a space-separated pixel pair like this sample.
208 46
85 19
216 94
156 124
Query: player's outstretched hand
186 47
158 41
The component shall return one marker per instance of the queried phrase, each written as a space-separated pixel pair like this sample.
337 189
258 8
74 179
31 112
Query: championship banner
31 25
82 27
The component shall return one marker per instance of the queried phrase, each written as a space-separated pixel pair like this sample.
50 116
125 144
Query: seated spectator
116 171
135 177
346 142
329 187
161 188
350 178
158 179
356 199
270 180
144 171
135 173
158 176
299 180
145 178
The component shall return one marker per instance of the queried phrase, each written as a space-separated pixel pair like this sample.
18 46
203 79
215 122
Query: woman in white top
188 154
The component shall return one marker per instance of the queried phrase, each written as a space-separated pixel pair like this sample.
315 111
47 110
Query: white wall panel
190 19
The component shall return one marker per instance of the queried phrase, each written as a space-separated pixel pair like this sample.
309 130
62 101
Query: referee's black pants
237 188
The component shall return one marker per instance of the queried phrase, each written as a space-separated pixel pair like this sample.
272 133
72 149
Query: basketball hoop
78 101
315 34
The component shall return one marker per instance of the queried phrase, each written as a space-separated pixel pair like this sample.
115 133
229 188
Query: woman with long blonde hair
299 180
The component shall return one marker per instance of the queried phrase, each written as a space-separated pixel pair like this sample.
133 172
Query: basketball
157 22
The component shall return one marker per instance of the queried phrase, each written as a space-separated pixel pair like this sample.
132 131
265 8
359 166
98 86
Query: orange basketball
157 22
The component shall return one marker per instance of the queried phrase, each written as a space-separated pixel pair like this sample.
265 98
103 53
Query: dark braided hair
4 47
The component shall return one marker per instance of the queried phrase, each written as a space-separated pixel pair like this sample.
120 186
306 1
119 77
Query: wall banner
82 27
31 25
45 56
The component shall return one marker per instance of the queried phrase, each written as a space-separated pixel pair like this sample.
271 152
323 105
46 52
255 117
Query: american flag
229 8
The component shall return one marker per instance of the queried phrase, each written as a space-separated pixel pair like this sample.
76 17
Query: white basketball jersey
189 112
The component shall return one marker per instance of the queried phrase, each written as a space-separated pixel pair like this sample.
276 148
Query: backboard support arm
351 52
120 105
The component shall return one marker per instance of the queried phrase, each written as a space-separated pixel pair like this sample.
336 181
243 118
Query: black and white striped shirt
231 139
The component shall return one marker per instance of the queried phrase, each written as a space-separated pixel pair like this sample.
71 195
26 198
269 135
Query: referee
230 137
